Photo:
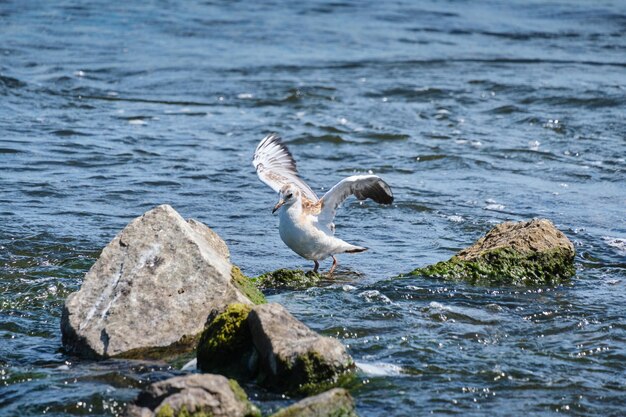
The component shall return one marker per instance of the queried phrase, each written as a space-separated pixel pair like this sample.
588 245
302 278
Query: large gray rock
213 395
152 287
293 357
336 402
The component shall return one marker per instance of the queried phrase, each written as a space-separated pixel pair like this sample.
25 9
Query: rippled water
475 113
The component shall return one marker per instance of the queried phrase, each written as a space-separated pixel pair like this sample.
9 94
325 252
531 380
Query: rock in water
268 344
288 279
293 357
152 287
196 394
525 253
334 403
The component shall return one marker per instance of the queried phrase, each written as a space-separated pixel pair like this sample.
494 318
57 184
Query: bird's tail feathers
355 249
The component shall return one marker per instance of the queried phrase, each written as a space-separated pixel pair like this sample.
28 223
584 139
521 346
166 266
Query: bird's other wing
276 167
361 186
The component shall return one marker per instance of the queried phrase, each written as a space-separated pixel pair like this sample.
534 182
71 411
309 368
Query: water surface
475 113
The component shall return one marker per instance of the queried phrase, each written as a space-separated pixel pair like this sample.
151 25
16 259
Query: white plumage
305 221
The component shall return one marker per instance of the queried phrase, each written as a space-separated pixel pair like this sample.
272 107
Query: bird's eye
289 195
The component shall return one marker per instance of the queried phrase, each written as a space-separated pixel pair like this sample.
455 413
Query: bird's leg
332 268
317 265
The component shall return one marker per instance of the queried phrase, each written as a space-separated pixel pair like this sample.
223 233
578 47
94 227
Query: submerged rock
525 253
195 395
288 279
268 343
334 403
149 293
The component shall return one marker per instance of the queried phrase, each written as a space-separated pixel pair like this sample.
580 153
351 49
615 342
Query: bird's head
288 195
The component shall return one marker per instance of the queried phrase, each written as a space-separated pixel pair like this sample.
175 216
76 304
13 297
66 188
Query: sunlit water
475 113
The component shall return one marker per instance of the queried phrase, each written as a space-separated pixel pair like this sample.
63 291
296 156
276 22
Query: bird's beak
278 205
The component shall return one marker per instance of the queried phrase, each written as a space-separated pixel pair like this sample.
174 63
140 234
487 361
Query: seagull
306 221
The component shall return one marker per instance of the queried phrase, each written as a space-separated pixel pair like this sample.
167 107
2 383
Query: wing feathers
276 167
374 188
271 152
361 186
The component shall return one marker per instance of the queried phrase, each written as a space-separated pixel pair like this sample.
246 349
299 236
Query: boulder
293 357
195 395
152 289
336 402
526 253
267 343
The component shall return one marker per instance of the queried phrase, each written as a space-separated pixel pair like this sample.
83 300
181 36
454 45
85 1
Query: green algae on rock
289 279
317 385
247 286
226 343
528 253
174 353
308 373
336 402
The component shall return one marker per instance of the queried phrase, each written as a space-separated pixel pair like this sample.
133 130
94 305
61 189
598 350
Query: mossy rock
288 279
505 267
247 286
193 395
226 344
167 411
268 344
333 403
532 253
319 384
320 375
292 357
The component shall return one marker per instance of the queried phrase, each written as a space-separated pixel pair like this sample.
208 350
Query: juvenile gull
306 221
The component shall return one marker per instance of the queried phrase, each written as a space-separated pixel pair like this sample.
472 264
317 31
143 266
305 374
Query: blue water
474 112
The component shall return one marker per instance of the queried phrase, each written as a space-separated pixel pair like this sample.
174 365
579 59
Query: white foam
439 306
494 207
379 368
615 242
192 365
375 295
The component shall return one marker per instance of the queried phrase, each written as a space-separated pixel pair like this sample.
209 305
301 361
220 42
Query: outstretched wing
276 167
361 186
